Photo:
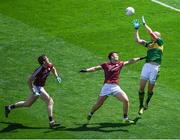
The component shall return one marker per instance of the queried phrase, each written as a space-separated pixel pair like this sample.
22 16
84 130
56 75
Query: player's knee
127 101
51 102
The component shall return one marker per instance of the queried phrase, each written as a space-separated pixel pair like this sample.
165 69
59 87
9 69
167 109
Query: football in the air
129 11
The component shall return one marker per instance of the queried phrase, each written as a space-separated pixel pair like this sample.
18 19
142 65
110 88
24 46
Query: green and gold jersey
155 51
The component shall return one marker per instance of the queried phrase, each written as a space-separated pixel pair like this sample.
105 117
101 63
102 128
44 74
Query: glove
58 79
143 20
141 58
83 70
136 24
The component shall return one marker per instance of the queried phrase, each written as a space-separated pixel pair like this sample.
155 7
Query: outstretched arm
136 35
54 71
149 30
138 39
91 69
134 60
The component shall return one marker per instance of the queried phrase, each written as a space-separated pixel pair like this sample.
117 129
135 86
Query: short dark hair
110 54
41 59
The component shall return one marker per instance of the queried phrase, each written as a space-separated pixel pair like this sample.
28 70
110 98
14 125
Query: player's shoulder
105 63
38 68
160 41
121 62
50 65
148 43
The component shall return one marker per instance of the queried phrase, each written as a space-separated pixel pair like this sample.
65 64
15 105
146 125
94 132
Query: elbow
138 41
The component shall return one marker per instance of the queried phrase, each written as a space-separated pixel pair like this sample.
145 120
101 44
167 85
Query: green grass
173 3
77 34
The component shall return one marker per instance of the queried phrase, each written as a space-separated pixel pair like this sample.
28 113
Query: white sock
125 118
90 114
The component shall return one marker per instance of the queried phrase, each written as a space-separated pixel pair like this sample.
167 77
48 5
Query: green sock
141 99
149 97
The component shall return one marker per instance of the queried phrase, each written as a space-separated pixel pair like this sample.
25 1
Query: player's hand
143 20
59 79
141 58
136 24
83 70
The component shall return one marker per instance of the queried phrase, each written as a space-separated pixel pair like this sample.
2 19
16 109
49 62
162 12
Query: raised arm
134 60
149 30
138 39
91 69
136 34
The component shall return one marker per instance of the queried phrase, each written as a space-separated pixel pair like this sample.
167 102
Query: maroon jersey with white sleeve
40 75
112 71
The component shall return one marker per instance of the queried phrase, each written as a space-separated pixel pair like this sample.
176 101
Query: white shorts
150 72
110 89
38 90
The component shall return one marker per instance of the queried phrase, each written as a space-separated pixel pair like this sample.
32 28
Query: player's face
46 61
115 57
157 34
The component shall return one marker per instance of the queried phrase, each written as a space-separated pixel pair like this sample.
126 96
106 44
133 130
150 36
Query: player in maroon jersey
36 84
112 70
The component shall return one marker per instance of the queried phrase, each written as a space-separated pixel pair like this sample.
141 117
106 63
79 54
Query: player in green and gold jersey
151 68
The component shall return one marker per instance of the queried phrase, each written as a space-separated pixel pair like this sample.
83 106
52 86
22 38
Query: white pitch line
165 5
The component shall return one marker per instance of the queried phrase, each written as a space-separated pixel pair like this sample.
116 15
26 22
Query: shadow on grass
101 127
15 126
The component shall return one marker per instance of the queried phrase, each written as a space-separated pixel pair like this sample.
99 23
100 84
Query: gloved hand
83 70
58 79
136 24
143 20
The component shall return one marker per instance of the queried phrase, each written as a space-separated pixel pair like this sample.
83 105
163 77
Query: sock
11 107
90 113
50 118
141 99
125 116
149 97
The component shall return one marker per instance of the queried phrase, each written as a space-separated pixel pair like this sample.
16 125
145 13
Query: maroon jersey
112 71
40 75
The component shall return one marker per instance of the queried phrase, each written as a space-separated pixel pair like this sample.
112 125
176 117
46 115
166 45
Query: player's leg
49 101
143 81
121 96
150 94
95 107
155 69
27 103
141 95
105 91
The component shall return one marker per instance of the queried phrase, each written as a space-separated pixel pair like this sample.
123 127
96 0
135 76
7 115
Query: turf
173 3
76 34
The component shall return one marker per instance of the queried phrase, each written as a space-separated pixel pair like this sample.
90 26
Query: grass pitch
76 34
